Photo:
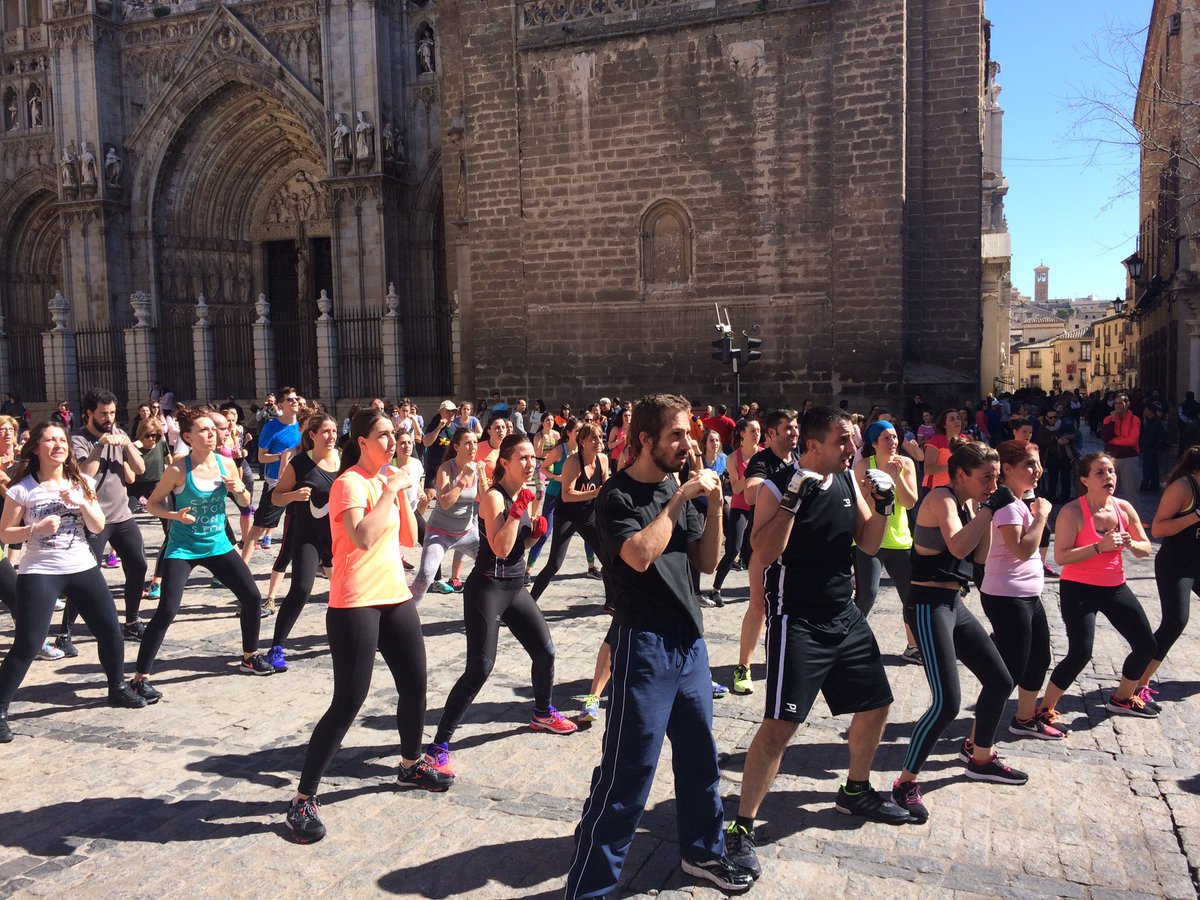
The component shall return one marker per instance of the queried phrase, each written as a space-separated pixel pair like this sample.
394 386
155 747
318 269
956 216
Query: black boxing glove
883 490
1000 498
804 482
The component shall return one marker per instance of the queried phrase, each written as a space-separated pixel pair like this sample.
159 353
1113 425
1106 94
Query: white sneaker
60 604
49 651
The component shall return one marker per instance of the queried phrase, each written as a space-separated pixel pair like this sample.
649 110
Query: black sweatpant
1022 635
8 583
487 602
34 610
126 540
737 528
354 636
561 531
1079 604
946 630
305 559
231 571
1176 582
868 569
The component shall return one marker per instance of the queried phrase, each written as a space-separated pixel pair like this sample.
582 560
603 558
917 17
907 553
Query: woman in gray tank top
453 518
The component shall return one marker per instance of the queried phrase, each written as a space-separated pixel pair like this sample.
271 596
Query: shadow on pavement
519 864
264 766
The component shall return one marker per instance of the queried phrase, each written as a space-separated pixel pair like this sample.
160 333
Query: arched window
666 245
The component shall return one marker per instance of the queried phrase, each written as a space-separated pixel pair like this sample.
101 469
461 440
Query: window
666 245
1085 352
1035 380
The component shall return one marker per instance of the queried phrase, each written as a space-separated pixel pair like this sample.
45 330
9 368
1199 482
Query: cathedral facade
435 197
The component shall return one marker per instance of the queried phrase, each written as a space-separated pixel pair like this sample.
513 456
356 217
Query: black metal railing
296 356
176 367
427 362
100 351
26 369
233 356
360 354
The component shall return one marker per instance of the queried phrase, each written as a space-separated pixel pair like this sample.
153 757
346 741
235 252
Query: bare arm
961 540
285 489
931 466
450 489
499 529
1024 542
570 473
1136 541
172 478
772 528
704 553
1167 518
737 483
366 528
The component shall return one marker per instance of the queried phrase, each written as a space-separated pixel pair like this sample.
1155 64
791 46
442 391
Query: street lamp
1133 264
1119 305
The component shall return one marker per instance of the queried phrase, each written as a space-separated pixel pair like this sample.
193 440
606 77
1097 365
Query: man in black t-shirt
806 524
782 429
661 686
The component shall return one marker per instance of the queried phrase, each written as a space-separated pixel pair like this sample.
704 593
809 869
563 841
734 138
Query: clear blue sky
1071 201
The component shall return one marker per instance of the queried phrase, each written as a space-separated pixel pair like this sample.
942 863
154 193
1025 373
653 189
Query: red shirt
722 425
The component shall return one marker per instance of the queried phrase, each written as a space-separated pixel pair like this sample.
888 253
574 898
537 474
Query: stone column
141 350
264 348
327 352
202 346
61 361
392 343
5 377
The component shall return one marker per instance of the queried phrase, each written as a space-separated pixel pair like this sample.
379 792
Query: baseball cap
448 405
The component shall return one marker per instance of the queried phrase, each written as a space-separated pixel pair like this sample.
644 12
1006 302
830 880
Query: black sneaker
144 690
64 643
1131 706
995 770
717 599
740 849
423 775
304 822
6 734
256 665
907 794
133 631
125 697
872 805
721 872
1035 728
704 600
966 750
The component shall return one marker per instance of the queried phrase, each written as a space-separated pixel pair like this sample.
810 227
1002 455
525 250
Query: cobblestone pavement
187 797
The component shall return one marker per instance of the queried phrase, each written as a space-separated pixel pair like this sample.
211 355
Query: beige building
1042 328
1033 364
1114 354
995 367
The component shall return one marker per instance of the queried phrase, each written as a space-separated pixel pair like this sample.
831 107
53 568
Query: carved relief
299 199
425 50
666 245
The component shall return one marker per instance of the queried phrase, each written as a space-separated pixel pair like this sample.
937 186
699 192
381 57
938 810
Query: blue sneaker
155 590
265 543
719 691
440 587
591 709
276 660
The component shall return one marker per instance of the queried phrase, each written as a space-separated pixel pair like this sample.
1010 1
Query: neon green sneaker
742 682
591 709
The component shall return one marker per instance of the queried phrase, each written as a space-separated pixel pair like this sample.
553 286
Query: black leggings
868 569
737 528
231 572
946 630
487 602
562 531
354 635
1022 636
34 610
1176 583
126 539
305 559
284 557
1080 603
8 583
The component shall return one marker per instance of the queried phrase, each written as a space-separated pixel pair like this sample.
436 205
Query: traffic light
723 348
751 353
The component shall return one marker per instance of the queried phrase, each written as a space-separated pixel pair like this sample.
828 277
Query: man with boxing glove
648 532
806 523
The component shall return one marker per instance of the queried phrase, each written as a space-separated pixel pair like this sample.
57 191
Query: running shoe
721 872
60 604
591 709
719 691
1146 694
303 820
966 750
456 585
1053 718
703 600
144 690
255 665
717 600
6 734
1131 706
996 771
133 631
742 682
437 756
125 697
215 582
276 660
268 607
1049 571
594 572
913 655
424 776
141 504
554 722
155 590
49 651
907 795
740 849
111 562
265 543
1035 728
872 805
440 587
64 643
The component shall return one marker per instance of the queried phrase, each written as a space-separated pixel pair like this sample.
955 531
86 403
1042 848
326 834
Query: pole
737 384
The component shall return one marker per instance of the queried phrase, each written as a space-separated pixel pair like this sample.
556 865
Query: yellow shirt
372 577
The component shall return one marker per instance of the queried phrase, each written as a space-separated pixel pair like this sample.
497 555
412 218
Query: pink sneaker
1146 694
554 722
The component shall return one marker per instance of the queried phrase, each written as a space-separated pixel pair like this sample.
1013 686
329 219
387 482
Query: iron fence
26 369
100 352
296 356
360 354
177 361
427 363
233 352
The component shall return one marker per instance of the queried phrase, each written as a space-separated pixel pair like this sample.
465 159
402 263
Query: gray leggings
867 570
437 545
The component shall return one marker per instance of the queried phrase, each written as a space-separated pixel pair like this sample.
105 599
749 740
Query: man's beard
103 427
665 461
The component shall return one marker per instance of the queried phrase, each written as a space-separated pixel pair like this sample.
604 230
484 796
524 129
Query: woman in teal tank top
555 460
202 481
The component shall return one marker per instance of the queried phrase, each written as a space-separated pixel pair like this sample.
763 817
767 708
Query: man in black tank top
806 522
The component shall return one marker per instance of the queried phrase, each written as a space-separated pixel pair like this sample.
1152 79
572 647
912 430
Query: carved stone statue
389 141
87 168
364 138
12 110
35 107
341 138
67 166
425 60
112 168
263 308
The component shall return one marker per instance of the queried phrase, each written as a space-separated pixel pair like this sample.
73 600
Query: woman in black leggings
1012 588
945 539
495 592
303 488
746 436
57 505
1177 565
370 609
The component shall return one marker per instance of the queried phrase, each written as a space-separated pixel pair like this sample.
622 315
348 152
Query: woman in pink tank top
1090 539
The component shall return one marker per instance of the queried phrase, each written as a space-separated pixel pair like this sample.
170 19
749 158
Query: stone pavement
187 797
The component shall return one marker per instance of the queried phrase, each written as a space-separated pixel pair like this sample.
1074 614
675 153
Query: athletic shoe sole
1036 733
698 871
996 779
1132 712
301 838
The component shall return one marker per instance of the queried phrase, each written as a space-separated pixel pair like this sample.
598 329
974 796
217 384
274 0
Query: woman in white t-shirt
1012 588
50 507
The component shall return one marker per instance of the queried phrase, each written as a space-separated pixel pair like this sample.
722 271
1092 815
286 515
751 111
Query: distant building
1041 284
1114 354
